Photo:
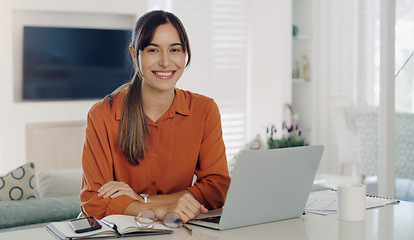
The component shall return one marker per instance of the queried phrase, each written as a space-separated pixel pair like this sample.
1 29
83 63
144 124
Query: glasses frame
150 224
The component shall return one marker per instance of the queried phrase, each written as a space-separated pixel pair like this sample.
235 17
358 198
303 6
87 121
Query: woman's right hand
115 189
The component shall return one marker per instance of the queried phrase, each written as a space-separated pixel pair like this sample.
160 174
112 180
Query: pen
113 226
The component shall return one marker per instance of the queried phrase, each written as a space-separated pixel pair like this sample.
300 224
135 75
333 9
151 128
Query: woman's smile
164 74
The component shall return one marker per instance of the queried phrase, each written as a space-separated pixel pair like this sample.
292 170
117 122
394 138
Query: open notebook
126 226
325 202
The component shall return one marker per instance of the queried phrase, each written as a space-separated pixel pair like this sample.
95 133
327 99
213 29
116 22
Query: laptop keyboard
215 219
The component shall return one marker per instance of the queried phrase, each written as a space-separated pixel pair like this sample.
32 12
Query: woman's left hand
186 206
115 189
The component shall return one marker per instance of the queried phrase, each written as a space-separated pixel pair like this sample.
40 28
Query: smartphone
86 224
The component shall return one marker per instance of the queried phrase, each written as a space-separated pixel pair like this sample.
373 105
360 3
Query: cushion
19 184
255 144
18 213
60 182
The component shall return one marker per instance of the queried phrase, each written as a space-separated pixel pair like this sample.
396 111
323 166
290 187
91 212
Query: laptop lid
270 185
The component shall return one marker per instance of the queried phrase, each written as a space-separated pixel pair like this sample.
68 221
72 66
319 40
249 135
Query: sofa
54 198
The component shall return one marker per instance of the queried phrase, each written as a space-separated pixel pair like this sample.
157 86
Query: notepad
324 202
126 226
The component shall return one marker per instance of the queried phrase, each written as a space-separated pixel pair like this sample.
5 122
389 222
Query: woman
146 140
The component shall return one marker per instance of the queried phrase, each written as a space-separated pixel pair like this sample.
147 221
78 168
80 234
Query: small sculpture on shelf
305 64
297 74
294 30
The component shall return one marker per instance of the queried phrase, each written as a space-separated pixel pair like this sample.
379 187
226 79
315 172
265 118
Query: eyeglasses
146 218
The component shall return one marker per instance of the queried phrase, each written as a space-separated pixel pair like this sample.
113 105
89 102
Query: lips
164 74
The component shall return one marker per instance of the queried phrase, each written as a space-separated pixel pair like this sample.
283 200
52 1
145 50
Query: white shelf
300 80
302 37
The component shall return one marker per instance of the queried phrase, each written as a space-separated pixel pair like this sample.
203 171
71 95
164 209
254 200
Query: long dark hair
133 130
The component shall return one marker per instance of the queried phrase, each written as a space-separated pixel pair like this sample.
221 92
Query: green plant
291 137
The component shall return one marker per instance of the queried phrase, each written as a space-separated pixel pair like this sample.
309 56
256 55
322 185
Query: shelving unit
302 37
302 45
300 80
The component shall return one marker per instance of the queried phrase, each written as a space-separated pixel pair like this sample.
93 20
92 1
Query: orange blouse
186 140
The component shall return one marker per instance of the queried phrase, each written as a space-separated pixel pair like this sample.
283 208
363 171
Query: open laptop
266 186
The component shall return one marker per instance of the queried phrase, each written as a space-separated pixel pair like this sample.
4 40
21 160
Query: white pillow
60 182
255 144
19 184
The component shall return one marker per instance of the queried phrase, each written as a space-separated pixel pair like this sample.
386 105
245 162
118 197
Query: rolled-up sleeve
212 173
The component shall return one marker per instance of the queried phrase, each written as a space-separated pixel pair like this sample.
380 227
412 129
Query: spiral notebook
324 202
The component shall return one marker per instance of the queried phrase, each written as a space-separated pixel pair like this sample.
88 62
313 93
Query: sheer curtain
217 31
353 86
353 97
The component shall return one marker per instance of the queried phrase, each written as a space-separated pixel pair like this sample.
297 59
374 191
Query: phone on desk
86 224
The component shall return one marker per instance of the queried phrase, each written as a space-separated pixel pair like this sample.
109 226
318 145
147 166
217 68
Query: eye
176 50
152 50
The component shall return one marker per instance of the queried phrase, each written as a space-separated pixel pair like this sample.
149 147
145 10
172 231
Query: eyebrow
171 45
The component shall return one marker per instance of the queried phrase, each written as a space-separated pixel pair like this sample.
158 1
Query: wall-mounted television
74 63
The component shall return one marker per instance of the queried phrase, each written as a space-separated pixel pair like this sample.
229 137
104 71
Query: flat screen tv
74 63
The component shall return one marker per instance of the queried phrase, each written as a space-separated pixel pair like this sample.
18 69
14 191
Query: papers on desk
324 202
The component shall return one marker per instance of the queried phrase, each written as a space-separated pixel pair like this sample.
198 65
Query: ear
133 53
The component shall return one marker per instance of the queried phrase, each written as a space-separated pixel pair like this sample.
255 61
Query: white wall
271 31
16 115
270 26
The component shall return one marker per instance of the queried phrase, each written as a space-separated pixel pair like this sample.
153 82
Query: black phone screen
85 224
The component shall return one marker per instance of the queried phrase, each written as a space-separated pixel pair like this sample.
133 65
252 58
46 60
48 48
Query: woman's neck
156 103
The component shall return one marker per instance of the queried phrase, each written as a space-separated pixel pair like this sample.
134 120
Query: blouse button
155 155
153 183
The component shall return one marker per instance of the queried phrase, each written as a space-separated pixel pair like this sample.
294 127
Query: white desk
391 222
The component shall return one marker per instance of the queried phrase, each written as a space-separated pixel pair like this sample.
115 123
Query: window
353 90
404 48
217 31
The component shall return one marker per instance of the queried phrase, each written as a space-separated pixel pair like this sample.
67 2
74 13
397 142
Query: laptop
266 186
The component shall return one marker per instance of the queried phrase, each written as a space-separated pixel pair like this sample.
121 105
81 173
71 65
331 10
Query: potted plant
291 135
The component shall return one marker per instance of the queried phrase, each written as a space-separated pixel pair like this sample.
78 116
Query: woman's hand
186 206
115 189
183 203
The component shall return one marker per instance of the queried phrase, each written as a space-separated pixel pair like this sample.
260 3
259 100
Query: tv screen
74 63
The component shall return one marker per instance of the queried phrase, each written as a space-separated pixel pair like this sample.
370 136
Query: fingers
188 207
204 209
108 189
114 189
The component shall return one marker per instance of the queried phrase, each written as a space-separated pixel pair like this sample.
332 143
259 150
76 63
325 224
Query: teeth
164 74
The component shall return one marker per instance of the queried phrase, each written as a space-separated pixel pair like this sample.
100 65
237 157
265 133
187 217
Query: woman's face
162 62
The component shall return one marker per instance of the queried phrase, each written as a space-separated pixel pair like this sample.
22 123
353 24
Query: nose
164 60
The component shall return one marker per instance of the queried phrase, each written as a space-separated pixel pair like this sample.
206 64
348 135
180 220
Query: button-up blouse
185 141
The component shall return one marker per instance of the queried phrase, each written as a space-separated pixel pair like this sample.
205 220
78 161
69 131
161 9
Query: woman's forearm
158 203
166 198
183 203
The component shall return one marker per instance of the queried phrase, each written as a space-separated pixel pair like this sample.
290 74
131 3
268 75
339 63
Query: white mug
351 202
351 230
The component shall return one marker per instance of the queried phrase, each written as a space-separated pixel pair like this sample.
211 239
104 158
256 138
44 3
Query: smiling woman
162 63
146 140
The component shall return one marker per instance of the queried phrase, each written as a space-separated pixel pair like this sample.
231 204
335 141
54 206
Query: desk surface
388 223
